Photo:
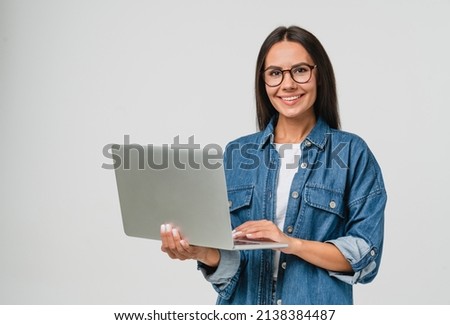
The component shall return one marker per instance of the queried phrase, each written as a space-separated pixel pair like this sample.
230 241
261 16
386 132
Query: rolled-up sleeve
225 271
360 255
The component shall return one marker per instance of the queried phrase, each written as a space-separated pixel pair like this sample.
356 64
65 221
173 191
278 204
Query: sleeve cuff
227 268
359 254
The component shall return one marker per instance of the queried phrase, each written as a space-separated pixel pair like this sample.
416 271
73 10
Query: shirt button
303 165
279 302
332 204
372 252
230 203
307 143
290 229
294 194
283 265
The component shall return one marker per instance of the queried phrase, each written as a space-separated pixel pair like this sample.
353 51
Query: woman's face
291 99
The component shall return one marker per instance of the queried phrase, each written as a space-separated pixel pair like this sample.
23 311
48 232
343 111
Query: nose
288 82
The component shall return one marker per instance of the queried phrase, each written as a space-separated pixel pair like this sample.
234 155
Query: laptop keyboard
246 242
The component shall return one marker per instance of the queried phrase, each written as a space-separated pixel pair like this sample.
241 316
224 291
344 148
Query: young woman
299 181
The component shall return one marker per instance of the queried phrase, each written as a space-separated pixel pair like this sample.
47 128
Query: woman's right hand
178 248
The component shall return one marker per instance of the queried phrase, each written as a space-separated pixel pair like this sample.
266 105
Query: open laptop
185 188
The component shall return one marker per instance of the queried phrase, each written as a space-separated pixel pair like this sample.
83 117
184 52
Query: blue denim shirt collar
267 135
317 136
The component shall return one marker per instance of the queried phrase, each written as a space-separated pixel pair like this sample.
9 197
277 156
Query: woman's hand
178 248
324 255
264 230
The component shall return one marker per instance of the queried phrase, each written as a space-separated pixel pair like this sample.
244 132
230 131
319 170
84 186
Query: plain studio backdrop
76 76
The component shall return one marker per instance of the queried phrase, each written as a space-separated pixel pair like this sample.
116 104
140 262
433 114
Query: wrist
295 246
211 257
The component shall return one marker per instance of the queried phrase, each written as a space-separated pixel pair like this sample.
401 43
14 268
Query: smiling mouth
290 98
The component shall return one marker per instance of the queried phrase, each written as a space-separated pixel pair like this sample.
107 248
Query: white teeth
290 98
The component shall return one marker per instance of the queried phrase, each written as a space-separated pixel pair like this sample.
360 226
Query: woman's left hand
264 230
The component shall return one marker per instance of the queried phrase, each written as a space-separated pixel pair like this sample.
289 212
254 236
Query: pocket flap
325 199
239 197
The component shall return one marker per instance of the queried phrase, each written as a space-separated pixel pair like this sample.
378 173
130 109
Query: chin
294 113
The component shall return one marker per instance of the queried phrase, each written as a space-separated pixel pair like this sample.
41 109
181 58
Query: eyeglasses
300 73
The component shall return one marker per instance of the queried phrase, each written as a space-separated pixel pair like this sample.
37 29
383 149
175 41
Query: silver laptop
186 188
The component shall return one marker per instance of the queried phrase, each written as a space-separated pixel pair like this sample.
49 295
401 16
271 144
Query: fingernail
237 233
174 232
163 228
168 227
249 235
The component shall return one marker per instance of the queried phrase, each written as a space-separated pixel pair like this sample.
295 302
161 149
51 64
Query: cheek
312 90
270 91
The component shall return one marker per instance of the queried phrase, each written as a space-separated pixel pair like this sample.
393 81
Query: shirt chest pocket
327 200
239 201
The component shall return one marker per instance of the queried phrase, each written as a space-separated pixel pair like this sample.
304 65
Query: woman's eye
300 70
275 73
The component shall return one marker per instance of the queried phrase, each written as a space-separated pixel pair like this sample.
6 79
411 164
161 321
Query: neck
293 130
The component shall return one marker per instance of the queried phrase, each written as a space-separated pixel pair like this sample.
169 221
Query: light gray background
78 75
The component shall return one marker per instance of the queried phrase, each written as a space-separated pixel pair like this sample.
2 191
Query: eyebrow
280 68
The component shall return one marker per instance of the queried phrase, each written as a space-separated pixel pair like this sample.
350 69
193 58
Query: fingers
251 227
261 229
173 244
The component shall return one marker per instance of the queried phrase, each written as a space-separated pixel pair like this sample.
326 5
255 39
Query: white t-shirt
290 154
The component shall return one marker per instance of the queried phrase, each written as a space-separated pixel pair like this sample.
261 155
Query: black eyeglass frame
312 67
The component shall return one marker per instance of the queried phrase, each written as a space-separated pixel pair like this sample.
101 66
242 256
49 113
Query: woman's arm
323 255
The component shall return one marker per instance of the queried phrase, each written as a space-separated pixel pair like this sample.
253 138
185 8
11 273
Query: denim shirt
337 196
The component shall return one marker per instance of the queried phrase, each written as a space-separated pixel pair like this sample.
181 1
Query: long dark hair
326 105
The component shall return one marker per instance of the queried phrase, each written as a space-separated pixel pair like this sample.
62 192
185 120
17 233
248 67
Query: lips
290 100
